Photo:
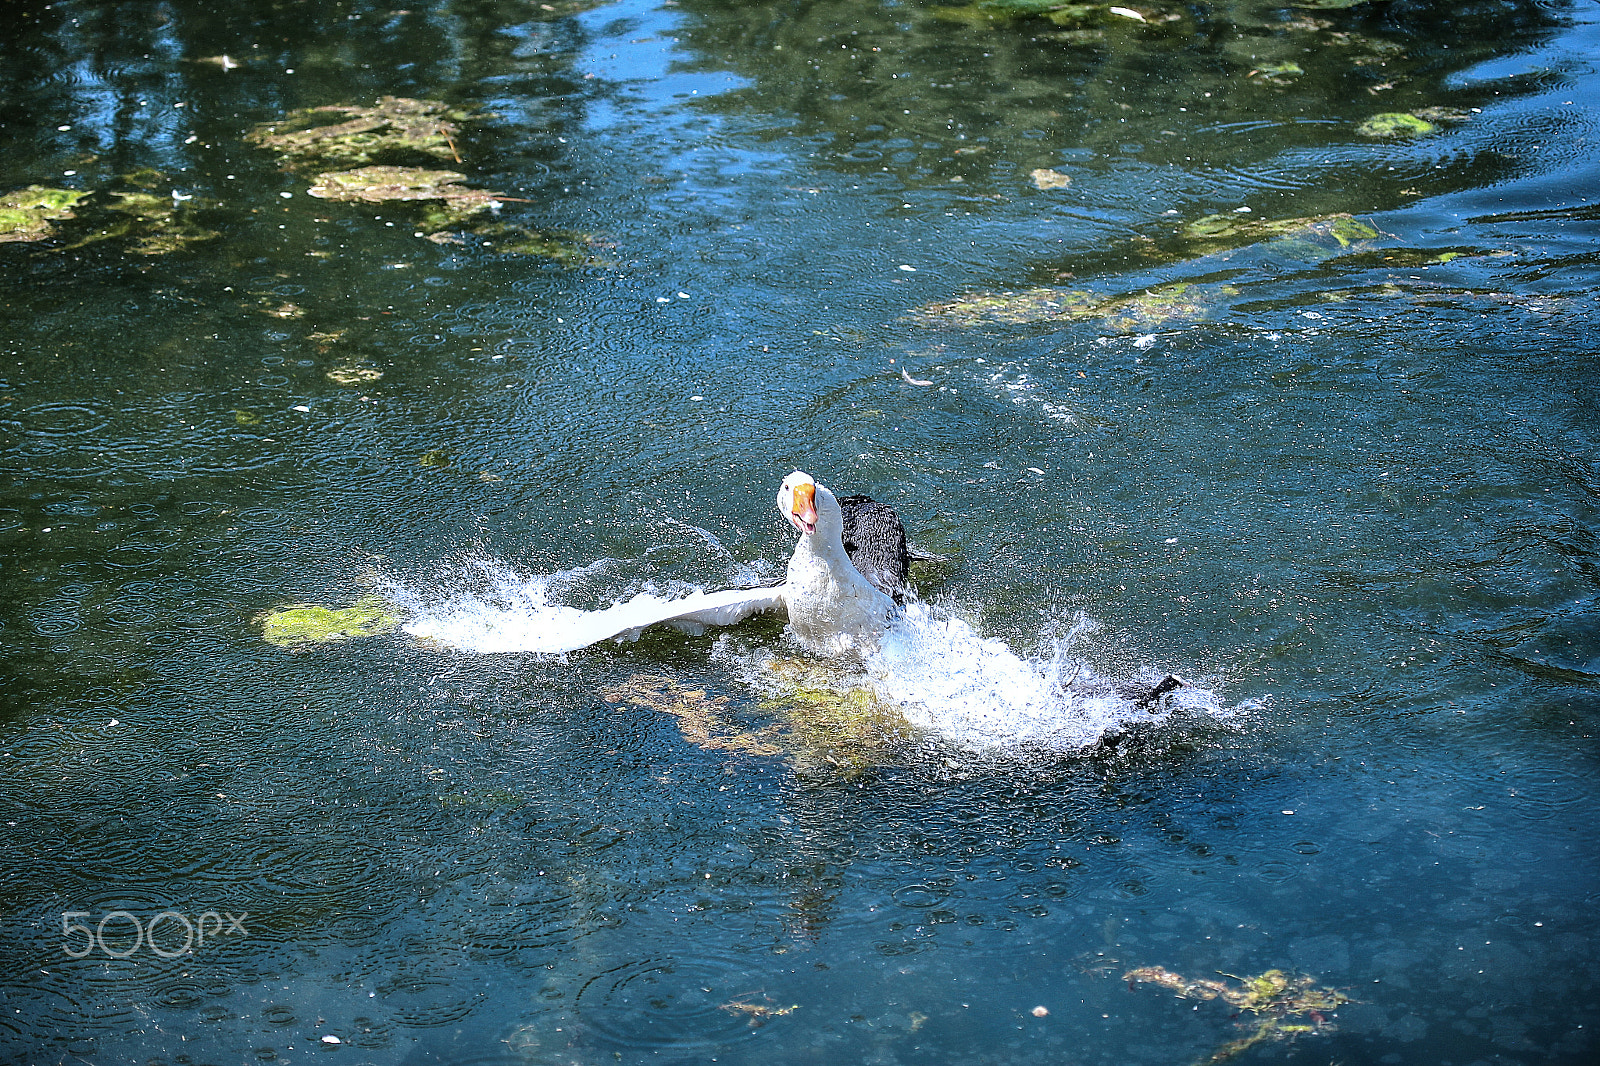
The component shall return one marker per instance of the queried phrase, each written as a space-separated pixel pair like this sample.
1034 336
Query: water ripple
56 420
655 1004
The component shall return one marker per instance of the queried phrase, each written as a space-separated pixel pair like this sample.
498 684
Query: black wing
875 541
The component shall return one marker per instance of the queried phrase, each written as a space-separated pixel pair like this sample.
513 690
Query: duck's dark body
875 541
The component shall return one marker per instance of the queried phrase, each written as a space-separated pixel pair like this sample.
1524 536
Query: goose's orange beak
803 507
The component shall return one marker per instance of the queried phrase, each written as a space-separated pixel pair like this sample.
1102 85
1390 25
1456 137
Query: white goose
831 606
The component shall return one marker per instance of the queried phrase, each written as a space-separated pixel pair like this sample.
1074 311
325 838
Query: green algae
830 726
346 136
26 214
566 247
1163 305
1286 1007
303 625
437 457
1311 239
1042 304
1215 233
1395 124
351 374
154 224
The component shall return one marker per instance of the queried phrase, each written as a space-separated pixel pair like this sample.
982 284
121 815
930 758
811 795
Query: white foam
978 694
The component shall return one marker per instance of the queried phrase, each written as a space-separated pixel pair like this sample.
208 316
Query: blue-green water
1342 474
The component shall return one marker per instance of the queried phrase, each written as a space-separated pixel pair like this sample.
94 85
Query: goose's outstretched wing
691 614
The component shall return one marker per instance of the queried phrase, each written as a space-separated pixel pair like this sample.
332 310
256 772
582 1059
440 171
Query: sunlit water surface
1347 487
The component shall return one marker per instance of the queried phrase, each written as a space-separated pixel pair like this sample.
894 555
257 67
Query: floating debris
1278 73
1045 178
1274 995
25 215
301 625
379 184
702 719
561 9
758 1013
344 136
353 374
437 457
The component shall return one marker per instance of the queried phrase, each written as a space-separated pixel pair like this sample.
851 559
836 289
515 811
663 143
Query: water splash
979 695
967 691
491 609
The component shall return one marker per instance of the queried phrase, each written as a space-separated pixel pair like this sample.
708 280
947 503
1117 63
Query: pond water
1134 315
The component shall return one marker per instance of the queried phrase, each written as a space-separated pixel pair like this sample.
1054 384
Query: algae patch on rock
345 136
301 625
26 214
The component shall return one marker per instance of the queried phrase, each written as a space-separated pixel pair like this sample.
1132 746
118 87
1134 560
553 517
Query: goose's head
797 501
